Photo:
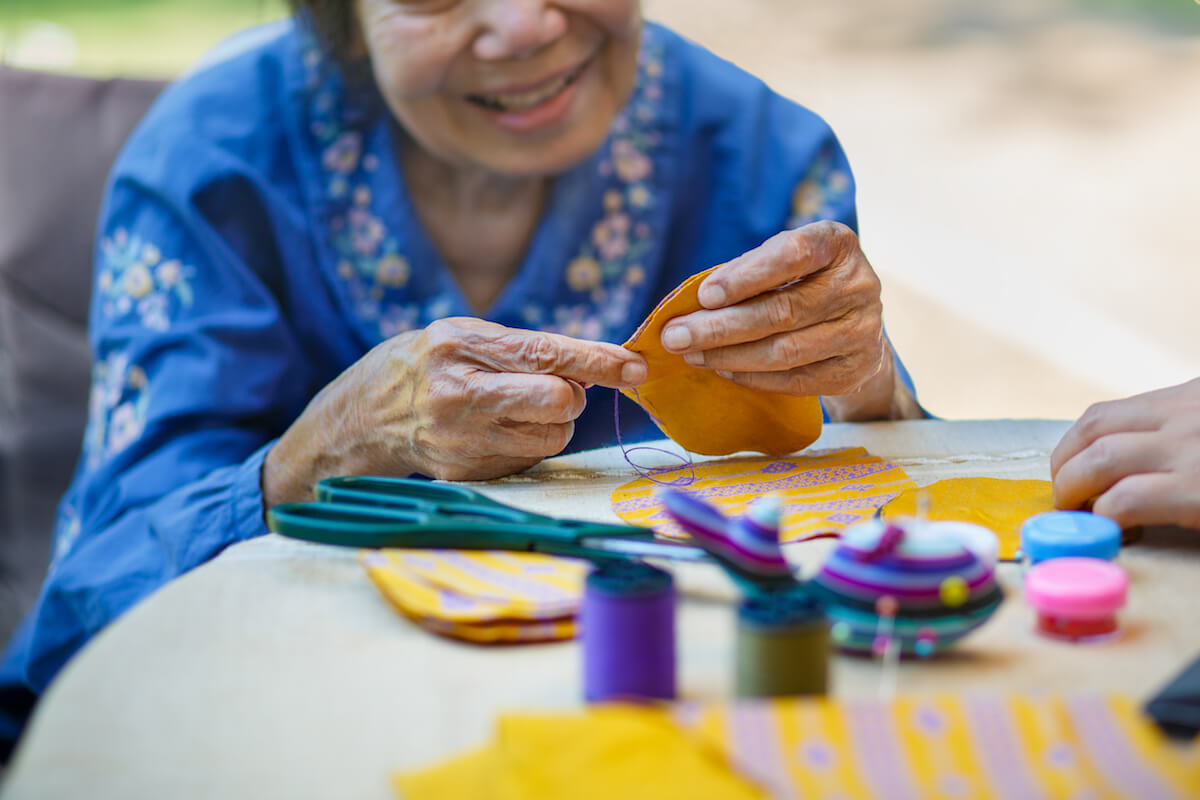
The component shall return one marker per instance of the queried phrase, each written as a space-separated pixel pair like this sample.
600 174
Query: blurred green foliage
160 38
153 38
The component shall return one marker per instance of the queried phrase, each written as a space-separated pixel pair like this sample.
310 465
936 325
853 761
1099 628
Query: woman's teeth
521 101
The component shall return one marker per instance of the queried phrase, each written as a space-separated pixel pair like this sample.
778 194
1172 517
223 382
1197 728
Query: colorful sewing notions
916 586
746 545
705 413
821 491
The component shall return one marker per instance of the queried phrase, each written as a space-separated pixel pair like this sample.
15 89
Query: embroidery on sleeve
822 191
135 280
66 532
117 408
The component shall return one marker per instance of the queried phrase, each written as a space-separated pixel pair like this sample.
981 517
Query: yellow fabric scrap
605 752
981 746
822 490
704 412
481 596
999 504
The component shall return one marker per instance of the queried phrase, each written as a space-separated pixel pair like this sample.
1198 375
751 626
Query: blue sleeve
196 372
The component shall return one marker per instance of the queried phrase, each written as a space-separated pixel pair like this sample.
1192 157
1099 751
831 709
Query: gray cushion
58 139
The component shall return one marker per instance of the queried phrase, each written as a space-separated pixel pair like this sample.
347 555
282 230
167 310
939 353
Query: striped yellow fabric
983 747
481 596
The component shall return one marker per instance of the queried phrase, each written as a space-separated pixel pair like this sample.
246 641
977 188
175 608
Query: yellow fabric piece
939 746
822 490
481 596
998 504
606 752
702 411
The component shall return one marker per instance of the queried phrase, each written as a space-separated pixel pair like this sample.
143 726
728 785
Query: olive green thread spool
783 645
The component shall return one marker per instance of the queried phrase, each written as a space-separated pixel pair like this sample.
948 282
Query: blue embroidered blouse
256 240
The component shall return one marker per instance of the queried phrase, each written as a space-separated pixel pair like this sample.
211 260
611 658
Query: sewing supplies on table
782 645
904 582
375 512
1056 534
451 582
746 545
782 636
1076 598
628 631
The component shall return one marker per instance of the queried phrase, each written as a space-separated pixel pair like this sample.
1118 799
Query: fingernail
711 296
677 337
724 374
633 373
696 359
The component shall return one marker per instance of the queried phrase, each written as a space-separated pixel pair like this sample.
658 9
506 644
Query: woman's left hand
800 314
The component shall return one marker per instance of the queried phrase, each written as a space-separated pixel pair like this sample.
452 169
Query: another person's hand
1138 458
800 314
463 399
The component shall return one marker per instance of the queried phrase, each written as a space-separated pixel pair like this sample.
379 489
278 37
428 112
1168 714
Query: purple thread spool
628 622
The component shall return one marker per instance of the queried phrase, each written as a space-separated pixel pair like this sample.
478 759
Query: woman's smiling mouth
527 99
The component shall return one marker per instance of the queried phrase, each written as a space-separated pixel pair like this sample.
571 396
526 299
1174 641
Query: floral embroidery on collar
134 279
603 275
369 259
600 279
116 407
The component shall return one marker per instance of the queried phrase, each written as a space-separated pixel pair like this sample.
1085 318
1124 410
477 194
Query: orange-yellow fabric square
703 412
999 504
604 752
822 490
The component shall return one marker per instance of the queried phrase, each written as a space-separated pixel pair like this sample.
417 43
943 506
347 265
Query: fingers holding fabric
785 257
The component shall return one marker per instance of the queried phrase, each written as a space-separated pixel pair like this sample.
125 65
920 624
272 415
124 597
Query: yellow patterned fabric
999 504
481 596
822 490
985 747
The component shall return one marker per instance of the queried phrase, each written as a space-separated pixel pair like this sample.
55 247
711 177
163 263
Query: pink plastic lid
1078 588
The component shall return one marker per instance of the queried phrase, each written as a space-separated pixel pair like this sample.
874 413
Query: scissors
368 511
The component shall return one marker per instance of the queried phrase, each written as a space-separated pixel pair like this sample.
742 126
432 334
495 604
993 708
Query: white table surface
277 670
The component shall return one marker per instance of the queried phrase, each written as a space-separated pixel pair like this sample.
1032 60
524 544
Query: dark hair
333 23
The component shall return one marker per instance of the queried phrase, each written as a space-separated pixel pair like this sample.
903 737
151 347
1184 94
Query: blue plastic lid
1056 534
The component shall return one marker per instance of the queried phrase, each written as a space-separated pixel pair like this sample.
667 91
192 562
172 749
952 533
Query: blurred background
1028 171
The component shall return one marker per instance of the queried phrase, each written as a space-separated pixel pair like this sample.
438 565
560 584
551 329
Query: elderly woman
401 237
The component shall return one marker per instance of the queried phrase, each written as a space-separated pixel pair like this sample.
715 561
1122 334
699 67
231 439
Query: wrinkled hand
1138 457
801 314
463 399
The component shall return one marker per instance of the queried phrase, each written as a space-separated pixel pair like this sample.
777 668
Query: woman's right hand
463 399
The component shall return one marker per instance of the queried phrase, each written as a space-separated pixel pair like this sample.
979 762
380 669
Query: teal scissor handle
373 512
418 495
451 527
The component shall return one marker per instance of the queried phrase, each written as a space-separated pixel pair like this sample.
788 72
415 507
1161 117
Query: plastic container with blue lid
1062 534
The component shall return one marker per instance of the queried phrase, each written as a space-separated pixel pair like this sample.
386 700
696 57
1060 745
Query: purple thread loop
649 472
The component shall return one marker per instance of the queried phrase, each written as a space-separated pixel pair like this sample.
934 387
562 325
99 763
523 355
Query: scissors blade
645 548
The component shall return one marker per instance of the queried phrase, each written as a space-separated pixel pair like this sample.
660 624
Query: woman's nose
518 28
